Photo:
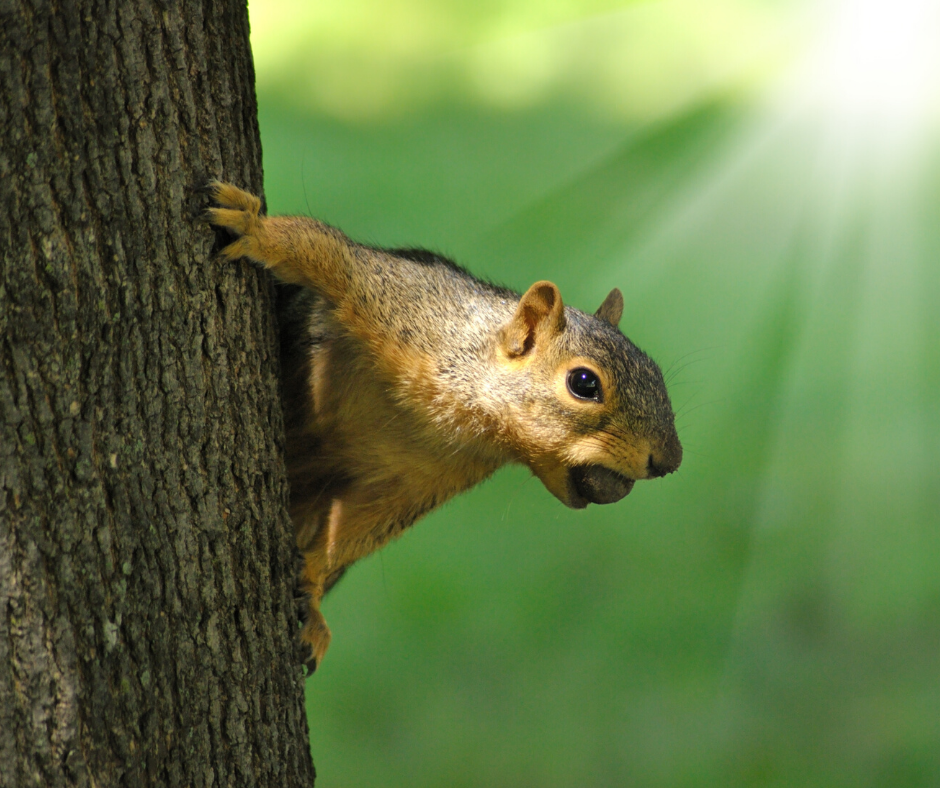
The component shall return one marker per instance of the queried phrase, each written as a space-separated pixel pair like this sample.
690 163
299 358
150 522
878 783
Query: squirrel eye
584 384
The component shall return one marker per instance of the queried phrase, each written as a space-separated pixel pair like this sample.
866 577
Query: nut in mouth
596 484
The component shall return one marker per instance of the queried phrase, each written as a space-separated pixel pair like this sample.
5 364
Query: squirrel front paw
238 212
316 637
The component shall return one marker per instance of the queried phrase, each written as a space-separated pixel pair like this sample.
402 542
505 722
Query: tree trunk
147 624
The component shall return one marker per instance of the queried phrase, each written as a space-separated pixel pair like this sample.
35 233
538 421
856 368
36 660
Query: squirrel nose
667 460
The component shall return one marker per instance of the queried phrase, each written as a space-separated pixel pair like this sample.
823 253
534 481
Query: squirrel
406 380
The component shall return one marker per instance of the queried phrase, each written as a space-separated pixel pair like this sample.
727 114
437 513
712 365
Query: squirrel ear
539 316
612 308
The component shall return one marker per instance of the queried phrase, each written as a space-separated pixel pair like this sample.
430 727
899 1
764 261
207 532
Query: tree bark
147 567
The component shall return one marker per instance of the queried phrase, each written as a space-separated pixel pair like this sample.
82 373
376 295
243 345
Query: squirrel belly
406 381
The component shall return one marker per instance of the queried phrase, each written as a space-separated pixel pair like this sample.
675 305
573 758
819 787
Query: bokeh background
761 178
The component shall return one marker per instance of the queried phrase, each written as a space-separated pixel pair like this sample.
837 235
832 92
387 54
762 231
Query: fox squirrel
407 381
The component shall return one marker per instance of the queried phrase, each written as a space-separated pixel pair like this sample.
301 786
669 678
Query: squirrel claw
311 665
206 187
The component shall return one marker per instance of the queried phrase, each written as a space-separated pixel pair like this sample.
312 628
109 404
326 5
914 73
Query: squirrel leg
315 633
296 249
367 298
320 564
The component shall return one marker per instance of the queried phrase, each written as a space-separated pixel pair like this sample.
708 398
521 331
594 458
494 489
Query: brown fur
408 381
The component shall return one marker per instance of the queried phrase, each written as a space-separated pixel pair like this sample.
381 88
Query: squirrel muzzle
596 484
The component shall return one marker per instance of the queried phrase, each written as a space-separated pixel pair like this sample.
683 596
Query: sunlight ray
863 339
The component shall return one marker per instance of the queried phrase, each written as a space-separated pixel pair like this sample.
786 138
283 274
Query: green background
769 615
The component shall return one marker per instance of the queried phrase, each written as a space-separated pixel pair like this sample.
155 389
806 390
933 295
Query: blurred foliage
359 59
769 615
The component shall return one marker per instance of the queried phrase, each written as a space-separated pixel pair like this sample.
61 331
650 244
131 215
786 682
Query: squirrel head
589 411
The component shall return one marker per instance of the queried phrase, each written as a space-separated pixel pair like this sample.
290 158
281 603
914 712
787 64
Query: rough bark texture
147 625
